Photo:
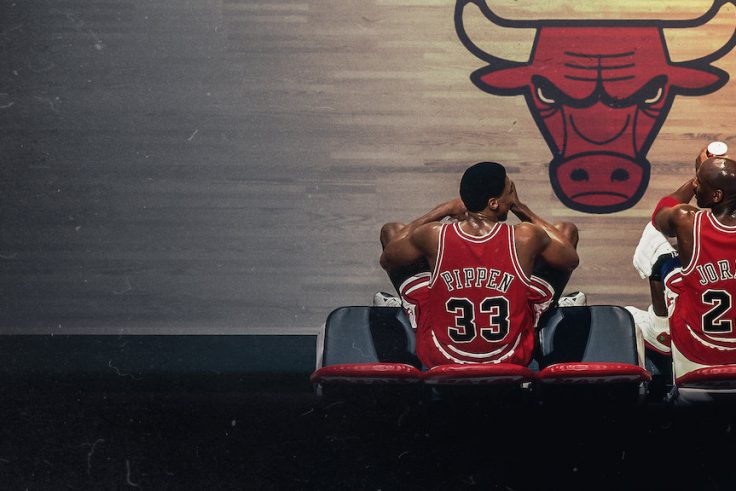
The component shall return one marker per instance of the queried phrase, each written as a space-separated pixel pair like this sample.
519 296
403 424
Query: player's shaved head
717 182
719 173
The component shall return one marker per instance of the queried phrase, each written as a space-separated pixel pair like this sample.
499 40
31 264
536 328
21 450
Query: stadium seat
487 384
593 345
361 346
718 377
481 374
701 383
367 373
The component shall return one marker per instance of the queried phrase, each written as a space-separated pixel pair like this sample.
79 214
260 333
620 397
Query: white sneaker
574 299
383 299
654 329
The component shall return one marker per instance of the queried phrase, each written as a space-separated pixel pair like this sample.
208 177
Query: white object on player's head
716 149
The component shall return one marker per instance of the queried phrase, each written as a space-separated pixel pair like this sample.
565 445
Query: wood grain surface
206 166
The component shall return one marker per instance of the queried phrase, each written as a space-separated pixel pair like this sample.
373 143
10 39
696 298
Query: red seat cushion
478 374
715 377
593 373
367 373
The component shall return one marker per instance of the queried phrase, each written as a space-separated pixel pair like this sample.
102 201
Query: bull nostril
620 175
579 175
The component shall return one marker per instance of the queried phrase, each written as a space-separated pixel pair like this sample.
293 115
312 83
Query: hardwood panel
210 166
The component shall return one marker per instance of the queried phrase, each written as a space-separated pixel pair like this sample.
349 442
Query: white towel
651 245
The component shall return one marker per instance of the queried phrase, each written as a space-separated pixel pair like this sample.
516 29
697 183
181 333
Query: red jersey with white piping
479 307
704 317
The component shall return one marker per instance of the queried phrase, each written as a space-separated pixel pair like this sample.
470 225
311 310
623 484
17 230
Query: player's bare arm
531 240
558 252
672 206
674 217
419 238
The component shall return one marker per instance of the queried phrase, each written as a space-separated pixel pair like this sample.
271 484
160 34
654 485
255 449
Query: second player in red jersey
699 296
704 316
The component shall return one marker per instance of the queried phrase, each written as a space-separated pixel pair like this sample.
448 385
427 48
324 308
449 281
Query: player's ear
493 203
717 195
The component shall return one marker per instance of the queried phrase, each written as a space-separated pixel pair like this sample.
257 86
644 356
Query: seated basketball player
695 290
654 258
474 287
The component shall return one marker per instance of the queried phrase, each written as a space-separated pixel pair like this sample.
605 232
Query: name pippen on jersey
493 279
712 273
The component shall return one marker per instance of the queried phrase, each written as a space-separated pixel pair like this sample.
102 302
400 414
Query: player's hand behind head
702 157
515 201
458 210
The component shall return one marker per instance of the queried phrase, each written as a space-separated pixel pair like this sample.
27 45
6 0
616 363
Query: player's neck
479 223
725 213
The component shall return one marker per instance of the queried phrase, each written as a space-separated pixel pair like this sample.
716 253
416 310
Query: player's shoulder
426 232
428 228
531 237
683 215
528 231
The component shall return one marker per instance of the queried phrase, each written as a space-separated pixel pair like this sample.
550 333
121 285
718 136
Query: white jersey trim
457 360
527 280
440 255
420 278
706 343
682 365
719 226
550 291
478 239
686 270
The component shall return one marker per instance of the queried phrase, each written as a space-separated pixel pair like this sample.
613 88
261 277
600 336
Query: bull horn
462 15
703 19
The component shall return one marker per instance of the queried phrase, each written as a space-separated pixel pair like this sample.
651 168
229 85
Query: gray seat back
597 333
368 335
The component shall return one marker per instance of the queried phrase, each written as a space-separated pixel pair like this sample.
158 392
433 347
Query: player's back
702 325
482 304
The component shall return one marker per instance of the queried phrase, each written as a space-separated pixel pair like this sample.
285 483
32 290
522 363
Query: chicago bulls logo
599 92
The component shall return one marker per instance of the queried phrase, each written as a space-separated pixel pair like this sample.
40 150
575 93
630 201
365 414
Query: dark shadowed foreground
272 433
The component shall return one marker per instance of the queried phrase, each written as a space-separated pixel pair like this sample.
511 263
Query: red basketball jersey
703 321
481 307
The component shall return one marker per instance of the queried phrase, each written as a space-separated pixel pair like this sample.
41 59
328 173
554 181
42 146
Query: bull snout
599 182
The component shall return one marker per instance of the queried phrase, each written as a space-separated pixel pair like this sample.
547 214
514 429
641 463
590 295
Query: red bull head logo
599 92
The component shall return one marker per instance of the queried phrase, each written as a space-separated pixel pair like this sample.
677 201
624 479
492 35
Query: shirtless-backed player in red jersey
474 288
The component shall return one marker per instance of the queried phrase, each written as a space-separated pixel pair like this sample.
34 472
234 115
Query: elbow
572 263
385 261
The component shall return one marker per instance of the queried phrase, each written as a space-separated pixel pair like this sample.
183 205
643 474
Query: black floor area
274 433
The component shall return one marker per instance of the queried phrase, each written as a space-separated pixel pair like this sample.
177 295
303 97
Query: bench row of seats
593 345
578 345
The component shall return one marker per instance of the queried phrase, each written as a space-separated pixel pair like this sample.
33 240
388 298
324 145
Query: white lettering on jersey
710 273
459 279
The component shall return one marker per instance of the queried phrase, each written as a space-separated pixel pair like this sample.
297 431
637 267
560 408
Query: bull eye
545 97
655 98
579 175
620 175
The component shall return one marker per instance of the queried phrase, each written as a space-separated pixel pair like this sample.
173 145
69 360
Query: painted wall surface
225 166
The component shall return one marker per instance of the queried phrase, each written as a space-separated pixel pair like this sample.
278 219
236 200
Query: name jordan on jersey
710 273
